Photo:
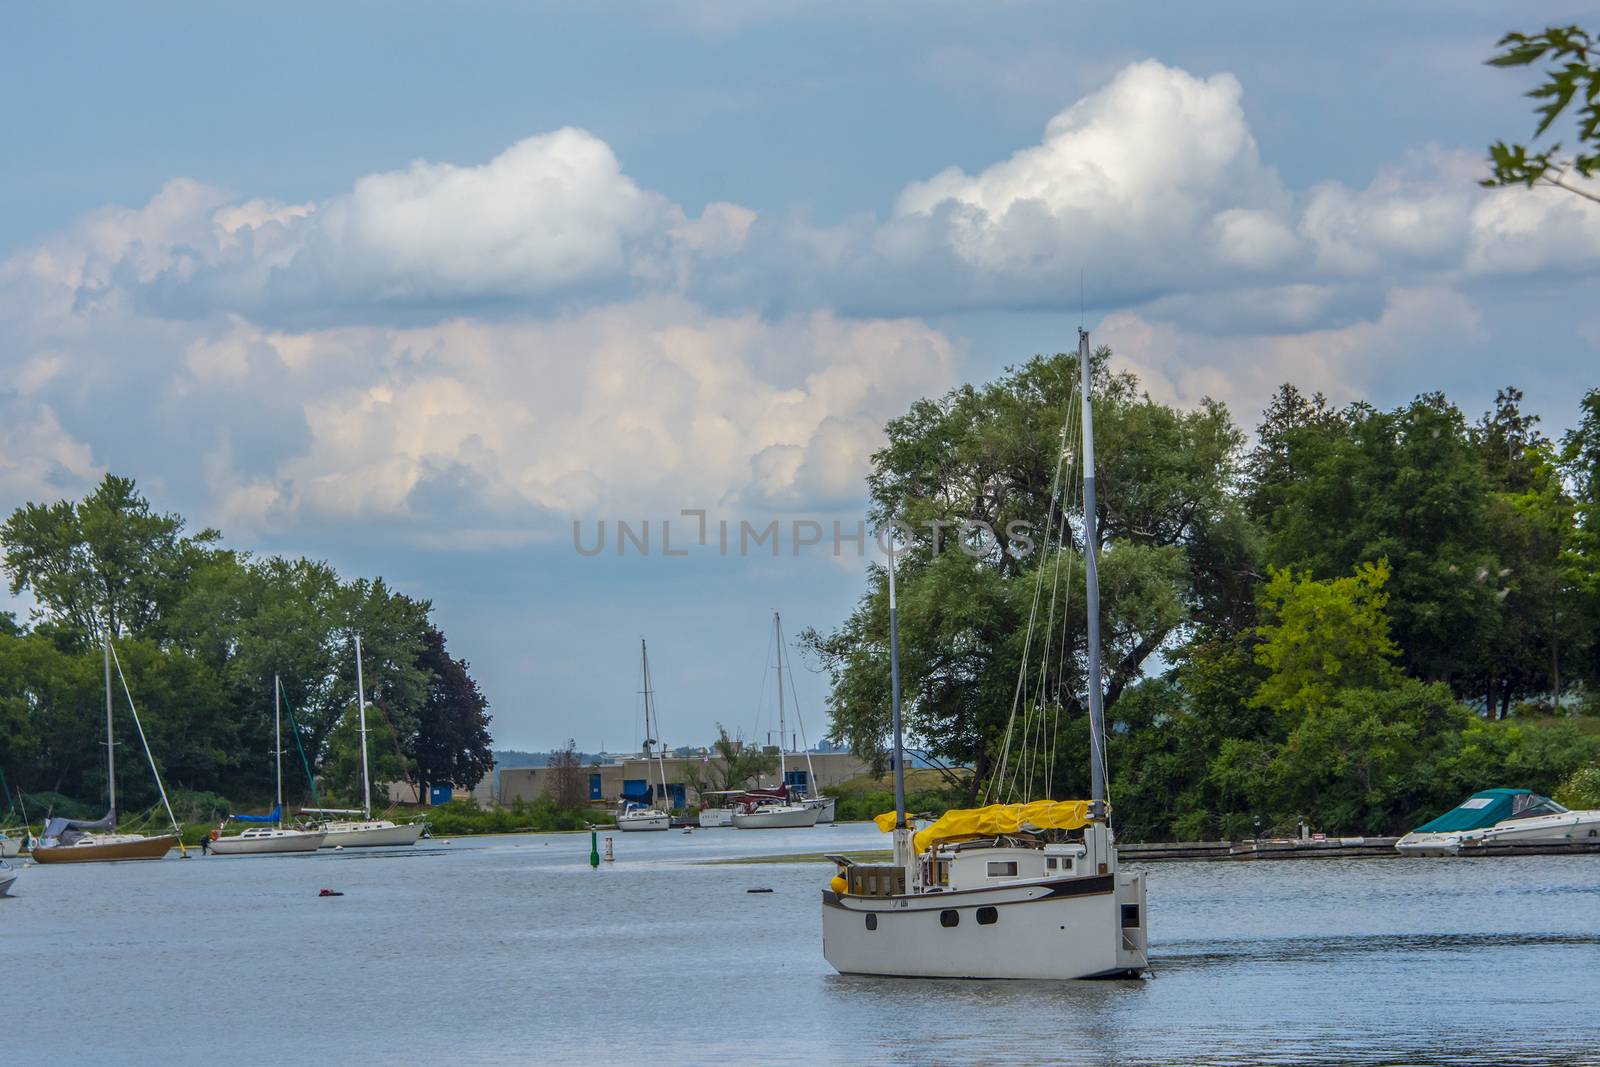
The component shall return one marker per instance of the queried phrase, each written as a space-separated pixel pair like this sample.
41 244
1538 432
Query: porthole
988 916
949 917
872 921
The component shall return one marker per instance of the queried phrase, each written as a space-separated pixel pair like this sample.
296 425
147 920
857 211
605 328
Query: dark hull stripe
1064 887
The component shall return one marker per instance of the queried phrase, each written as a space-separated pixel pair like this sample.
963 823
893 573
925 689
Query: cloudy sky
415 288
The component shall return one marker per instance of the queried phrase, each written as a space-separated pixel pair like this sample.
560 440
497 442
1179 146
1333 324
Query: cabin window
988 916
1050 863
949 917
1130 916
872 921
1002 868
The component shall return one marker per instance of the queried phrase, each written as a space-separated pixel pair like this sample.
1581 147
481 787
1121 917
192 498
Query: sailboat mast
111 743
894 690
277 741
361 720
783 729
1091 556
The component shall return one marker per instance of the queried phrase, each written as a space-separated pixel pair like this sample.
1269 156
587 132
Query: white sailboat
784 811
634 816
82 841
365 832
997 891
269 840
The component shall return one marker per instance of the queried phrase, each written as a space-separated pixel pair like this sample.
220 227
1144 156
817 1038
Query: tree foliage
202 632
1571 73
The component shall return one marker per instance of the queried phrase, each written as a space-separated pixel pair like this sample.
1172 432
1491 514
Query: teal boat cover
1479 810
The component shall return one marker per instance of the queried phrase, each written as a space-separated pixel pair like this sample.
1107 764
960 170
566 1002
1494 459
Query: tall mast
1091 553
111 743
894 690
651 741
277 741
783 731
361 718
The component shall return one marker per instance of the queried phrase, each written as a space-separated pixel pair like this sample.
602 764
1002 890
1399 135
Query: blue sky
412 287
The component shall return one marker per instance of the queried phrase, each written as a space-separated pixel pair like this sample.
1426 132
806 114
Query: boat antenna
1091 555
894 691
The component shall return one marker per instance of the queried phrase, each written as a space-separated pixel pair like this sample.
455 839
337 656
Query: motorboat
264 840
9 846
636 818
1004 890
824 806
1501 816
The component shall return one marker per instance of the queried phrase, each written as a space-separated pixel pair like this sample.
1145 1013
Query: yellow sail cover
961 823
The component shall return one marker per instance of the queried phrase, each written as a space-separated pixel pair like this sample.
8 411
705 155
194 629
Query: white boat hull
269 844
824 806
7 879
9 846
370 835
1058 928
713 817
1440 844
636 823
1541 830
787 817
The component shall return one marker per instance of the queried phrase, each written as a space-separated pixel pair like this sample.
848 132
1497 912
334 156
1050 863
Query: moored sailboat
1000 891
272 839
642 815
783 807
84 841
365 832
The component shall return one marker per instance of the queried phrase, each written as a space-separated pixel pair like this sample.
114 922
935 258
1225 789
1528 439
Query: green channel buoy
594 849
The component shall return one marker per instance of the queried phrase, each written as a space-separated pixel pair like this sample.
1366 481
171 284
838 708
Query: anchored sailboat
640 812
999 891
780 808
269 839
367 831
83 841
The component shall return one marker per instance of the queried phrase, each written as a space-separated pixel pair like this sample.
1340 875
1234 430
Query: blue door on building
677 796
797 780
594 787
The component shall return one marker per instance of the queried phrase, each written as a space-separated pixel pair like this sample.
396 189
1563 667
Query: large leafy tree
106 561
1174 546
452 743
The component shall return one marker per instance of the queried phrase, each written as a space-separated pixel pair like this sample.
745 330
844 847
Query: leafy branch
1572 74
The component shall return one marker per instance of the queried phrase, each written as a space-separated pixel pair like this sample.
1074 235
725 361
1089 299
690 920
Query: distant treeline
200 631
1355 616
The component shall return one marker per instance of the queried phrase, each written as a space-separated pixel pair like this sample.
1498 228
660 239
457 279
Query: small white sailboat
997 891
276 839
641 815
781 808
809 797
365 832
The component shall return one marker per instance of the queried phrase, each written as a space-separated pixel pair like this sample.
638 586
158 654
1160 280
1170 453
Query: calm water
511 950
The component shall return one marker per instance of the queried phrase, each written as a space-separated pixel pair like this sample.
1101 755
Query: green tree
733 766
1318 637
107 560
983 461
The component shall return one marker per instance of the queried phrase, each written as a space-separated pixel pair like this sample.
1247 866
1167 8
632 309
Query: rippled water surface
511 950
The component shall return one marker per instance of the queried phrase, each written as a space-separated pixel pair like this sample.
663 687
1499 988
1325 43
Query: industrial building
607 781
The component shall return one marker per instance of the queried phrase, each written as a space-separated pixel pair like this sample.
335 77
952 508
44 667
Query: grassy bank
863 798
460 818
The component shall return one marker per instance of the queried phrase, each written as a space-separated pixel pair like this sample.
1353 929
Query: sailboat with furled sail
97 841
267 835
365 832
1007 890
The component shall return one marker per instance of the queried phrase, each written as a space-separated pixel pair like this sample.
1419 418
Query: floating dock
1330 848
